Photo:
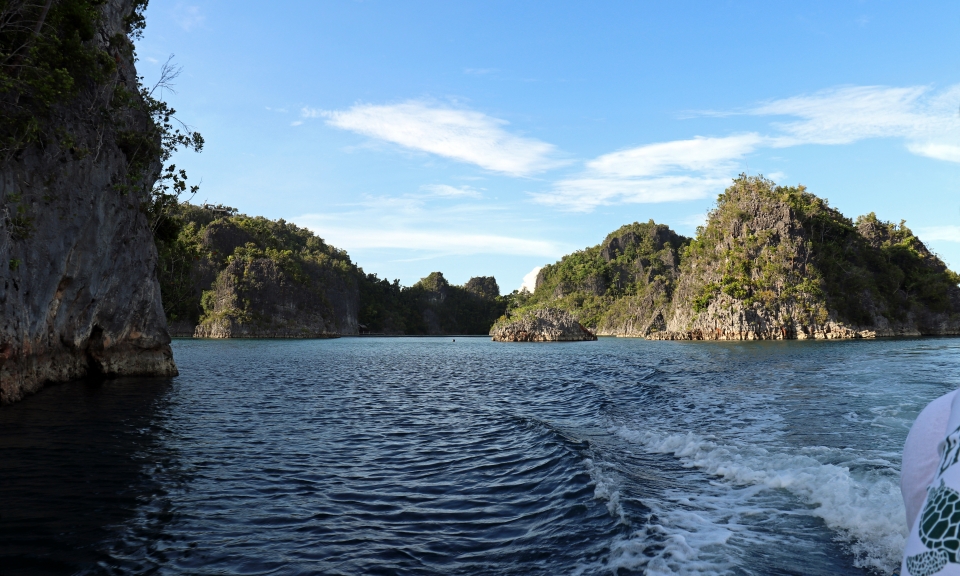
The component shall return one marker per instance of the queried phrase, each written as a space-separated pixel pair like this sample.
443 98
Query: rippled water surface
428 456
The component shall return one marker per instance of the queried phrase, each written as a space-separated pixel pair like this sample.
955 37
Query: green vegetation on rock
47 57
770 262
780 248
266 277
617 286
50 57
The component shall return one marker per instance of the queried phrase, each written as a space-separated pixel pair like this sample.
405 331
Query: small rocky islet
541 325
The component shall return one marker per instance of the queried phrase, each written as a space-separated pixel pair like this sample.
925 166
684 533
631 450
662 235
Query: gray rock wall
78 288
257 299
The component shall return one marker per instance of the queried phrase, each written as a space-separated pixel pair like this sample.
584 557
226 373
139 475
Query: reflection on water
425 456
72 468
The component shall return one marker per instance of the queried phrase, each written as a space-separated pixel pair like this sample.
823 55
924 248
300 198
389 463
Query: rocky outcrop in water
228 275
540 325
78 288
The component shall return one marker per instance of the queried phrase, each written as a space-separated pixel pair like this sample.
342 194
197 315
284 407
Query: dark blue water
427 456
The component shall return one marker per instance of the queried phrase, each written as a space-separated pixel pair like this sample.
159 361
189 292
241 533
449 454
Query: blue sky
489 138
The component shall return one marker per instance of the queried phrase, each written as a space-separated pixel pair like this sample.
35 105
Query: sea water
434 456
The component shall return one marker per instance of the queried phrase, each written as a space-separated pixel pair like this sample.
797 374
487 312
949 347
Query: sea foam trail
865 508
671 539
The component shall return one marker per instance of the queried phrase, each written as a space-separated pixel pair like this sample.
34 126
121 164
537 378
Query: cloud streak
698 154
939 233
447 191
530 280
463 135
672 171
663 172
188 17
439 242
848 114
681 170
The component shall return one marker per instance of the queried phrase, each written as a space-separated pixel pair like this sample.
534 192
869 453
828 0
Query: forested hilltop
772 262
618 286
226 275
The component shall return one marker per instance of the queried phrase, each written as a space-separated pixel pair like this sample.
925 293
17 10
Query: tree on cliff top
58 82
483 286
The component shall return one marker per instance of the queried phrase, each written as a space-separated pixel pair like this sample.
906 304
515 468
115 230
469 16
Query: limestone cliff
256 297
444 308
78 289
772 262
778 262
229 275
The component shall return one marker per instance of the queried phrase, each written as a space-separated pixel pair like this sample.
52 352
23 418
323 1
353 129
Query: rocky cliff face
257 298
444 308
256 278
78 288
229 275
778 263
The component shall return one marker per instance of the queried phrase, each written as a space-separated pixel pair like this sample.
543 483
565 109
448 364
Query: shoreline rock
541 325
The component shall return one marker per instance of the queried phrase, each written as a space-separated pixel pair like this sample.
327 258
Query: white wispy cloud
587 193
447 191
464 135
437 242
926 120
939 233
188 17
937 151
698 154
662 172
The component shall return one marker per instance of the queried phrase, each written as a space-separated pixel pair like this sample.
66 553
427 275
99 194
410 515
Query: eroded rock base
20 377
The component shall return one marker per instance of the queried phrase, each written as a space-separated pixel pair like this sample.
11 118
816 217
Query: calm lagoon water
428 456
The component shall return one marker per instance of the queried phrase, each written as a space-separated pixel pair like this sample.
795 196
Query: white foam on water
864 509
606 488
672 541
680 536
